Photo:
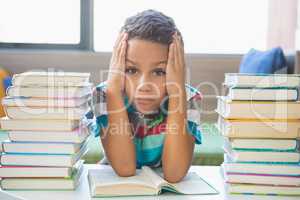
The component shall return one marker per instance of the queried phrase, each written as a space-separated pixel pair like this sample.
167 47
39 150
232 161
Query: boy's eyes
159 72
156 72
130 70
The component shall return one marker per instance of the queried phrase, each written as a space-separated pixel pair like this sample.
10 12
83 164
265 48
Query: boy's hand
175 72
116 75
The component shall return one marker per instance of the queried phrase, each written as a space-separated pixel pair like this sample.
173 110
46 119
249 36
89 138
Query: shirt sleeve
193 113
98 113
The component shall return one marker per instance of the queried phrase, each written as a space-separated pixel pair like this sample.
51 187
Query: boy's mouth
144 101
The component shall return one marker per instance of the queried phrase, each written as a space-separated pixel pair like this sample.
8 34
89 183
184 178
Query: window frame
86 34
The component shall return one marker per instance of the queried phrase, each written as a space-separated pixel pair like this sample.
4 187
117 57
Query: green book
106 183
42 183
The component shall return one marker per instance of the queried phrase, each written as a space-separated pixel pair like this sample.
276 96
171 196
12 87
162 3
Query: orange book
3 74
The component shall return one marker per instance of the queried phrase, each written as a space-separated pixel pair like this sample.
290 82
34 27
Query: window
35 21
40 22
207 26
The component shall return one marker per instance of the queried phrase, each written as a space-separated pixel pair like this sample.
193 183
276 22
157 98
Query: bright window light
207 26
40 21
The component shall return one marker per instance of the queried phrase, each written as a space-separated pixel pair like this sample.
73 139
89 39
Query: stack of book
260 119
44 112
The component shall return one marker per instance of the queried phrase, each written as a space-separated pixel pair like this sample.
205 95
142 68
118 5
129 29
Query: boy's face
145 74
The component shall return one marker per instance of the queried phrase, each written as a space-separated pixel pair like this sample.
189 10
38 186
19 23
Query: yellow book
257 109
255 128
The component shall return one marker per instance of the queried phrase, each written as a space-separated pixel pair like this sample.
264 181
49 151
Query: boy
146 97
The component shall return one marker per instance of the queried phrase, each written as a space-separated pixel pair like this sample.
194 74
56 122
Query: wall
206 71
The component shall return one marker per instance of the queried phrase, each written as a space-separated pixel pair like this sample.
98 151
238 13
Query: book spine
266 175
294 149
265 162
268 88
8 90
13 79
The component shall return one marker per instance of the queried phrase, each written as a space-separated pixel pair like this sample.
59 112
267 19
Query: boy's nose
144 84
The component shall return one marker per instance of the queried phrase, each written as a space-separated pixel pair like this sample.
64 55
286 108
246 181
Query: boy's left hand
175 72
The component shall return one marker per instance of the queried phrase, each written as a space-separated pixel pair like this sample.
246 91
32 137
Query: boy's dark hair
151 25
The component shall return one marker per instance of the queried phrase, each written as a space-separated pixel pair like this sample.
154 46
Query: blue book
42 147
47 160
252 156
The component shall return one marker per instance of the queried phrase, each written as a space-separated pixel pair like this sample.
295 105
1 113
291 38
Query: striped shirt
148 131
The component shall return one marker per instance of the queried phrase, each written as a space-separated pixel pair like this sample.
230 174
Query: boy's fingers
181 55
120 36
119 49
179 52
171 55
116 45
122 54
176 53
181 46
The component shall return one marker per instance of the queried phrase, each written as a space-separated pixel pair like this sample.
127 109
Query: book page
107 177
192 183
154 177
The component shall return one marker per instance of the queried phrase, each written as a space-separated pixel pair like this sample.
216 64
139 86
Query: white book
49 92
106 183
39 172
262 189
263 94
46 113
46 102
31 78
75 136
262 144
38 124
42 147
43 183
261 80
262 179
9 196
280 129
230 109
42 160
262 156
260 168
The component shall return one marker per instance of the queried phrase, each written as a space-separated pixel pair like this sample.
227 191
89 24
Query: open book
106 183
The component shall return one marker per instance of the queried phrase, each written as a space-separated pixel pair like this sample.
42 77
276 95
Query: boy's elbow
173 178
126 170
174 175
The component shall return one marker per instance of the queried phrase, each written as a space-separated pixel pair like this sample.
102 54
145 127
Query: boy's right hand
116 75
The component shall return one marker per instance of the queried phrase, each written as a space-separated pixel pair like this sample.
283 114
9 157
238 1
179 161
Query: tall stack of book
260 119
44 112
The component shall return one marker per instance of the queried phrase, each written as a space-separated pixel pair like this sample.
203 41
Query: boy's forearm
179 145
117 141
